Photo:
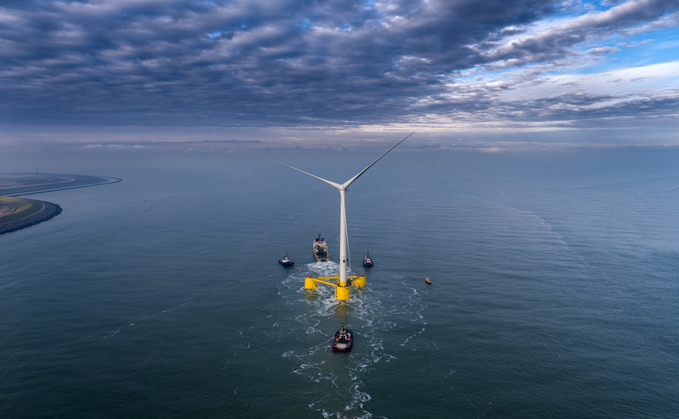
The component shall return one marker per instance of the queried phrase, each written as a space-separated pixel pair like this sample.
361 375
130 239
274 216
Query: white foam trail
374 316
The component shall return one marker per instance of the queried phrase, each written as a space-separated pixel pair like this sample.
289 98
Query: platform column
309 283
342 293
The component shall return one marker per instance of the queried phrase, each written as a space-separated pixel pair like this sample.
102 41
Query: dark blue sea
555 286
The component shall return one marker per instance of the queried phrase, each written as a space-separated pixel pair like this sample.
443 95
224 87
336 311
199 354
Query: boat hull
338 346
367 261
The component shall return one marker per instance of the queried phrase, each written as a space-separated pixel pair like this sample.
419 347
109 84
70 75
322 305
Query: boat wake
383 323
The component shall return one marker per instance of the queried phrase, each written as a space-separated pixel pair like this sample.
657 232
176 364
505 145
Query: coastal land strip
20 184
17 213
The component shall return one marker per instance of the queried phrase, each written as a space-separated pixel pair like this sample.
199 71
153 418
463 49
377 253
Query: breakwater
47 212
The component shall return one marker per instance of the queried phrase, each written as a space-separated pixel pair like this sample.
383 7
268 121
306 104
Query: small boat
367 261
427 280
286 261
344 340
321 250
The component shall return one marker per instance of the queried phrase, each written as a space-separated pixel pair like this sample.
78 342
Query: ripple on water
380 320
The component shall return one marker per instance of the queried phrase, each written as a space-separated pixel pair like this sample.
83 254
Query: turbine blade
333 184
350 181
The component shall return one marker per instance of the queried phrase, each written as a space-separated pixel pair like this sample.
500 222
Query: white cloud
650 78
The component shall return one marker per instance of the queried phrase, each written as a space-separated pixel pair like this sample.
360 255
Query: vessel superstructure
321 250
344 340
368 261
286 261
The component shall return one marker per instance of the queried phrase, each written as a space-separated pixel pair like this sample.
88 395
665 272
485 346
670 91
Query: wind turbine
343 219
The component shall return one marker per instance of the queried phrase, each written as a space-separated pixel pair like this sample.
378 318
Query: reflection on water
554 290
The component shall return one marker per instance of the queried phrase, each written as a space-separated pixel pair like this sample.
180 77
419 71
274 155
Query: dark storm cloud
278 63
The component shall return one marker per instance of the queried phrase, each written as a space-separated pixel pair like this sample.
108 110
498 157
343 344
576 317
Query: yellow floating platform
341 291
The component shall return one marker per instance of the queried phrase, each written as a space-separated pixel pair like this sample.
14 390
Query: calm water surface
555 288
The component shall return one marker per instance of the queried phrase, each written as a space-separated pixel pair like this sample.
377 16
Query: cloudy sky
563 71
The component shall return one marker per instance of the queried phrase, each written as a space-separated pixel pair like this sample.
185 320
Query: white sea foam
374 322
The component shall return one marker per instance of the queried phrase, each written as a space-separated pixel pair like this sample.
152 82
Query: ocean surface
555 286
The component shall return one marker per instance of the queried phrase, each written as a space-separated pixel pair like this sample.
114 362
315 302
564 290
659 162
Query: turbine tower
343 219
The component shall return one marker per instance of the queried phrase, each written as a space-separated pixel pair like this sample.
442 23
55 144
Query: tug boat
367 261
344 340
321 250
286 261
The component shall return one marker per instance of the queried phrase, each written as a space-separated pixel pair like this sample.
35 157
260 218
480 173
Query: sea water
555 286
